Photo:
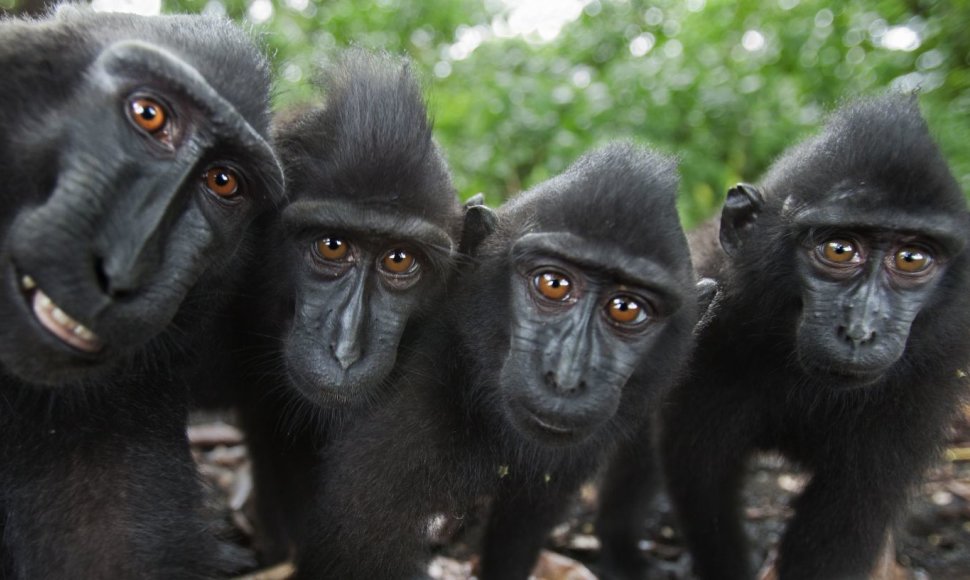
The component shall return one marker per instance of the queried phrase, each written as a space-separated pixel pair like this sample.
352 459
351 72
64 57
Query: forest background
520 88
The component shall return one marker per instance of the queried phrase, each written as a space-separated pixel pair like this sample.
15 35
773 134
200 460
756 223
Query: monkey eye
398 261
912 260
221 181
627 310
332 249
839 251
152 117
552 285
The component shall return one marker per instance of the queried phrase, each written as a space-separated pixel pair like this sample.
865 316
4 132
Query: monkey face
578 333
862 291
154 178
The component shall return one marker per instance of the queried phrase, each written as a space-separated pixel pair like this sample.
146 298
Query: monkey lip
58 322
551 427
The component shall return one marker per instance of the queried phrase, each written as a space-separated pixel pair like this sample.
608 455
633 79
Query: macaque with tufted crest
574 308
134 158
836 338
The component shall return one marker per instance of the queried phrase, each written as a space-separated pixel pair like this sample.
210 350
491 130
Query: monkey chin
329 390
546 429
838 376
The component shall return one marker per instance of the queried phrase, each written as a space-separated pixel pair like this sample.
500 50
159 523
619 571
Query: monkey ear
741 208
479 223
477 199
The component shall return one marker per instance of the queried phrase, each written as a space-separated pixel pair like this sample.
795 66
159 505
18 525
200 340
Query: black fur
457 430
323 337
850 372
116 226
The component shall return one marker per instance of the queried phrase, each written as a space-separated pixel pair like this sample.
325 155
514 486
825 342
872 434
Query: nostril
843 334
550 379
105 283
101 274
856 336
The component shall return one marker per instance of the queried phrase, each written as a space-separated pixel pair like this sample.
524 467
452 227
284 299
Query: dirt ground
933 541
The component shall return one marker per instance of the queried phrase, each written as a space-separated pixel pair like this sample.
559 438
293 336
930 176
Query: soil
932 541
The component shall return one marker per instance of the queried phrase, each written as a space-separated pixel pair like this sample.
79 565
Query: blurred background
520 88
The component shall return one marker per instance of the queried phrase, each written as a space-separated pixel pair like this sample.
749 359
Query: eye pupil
625 310
221 181
398 261
912 260
552 285
839 251
332 248
150 116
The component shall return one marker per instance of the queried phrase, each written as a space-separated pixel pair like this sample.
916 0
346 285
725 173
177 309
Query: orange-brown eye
839 251
148 114
222 181
912 260
553 285
397 261
333 249
625 310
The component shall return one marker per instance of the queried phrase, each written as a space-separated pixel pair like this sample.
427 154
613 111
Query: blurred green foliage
725 86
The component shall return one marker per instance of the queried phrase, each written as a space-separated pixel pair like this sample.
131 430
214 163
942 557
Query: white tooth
61 318
27 283
83 333
43 300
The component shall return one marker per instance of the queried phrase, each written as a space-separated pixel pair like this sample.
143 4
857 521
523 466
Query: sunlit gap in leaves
536 21
143 7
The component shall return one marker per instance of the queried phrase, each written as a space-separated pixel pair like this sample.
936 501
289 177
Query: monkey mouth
58 322
546 429
854 378
550 427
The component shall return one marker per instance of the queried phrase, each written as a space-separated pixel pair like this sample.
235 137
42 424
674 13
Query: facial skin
148 192
361 277
862 293
370 236
582 315
835 338
572 308
134 158
343 279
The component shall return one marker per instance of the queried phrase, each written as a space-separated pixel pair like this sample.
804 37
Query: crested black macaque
359 257
575 305
134 157
835 339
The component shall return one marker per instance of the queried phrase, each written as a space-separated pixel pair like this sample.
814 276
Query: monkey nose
346 353
858 334
569 386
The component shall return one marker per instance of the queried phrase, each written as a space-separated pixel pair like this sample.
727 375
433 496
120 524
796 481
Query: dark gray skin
364 172
351 312
134 159
518 391
836 339
346 273
558 349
